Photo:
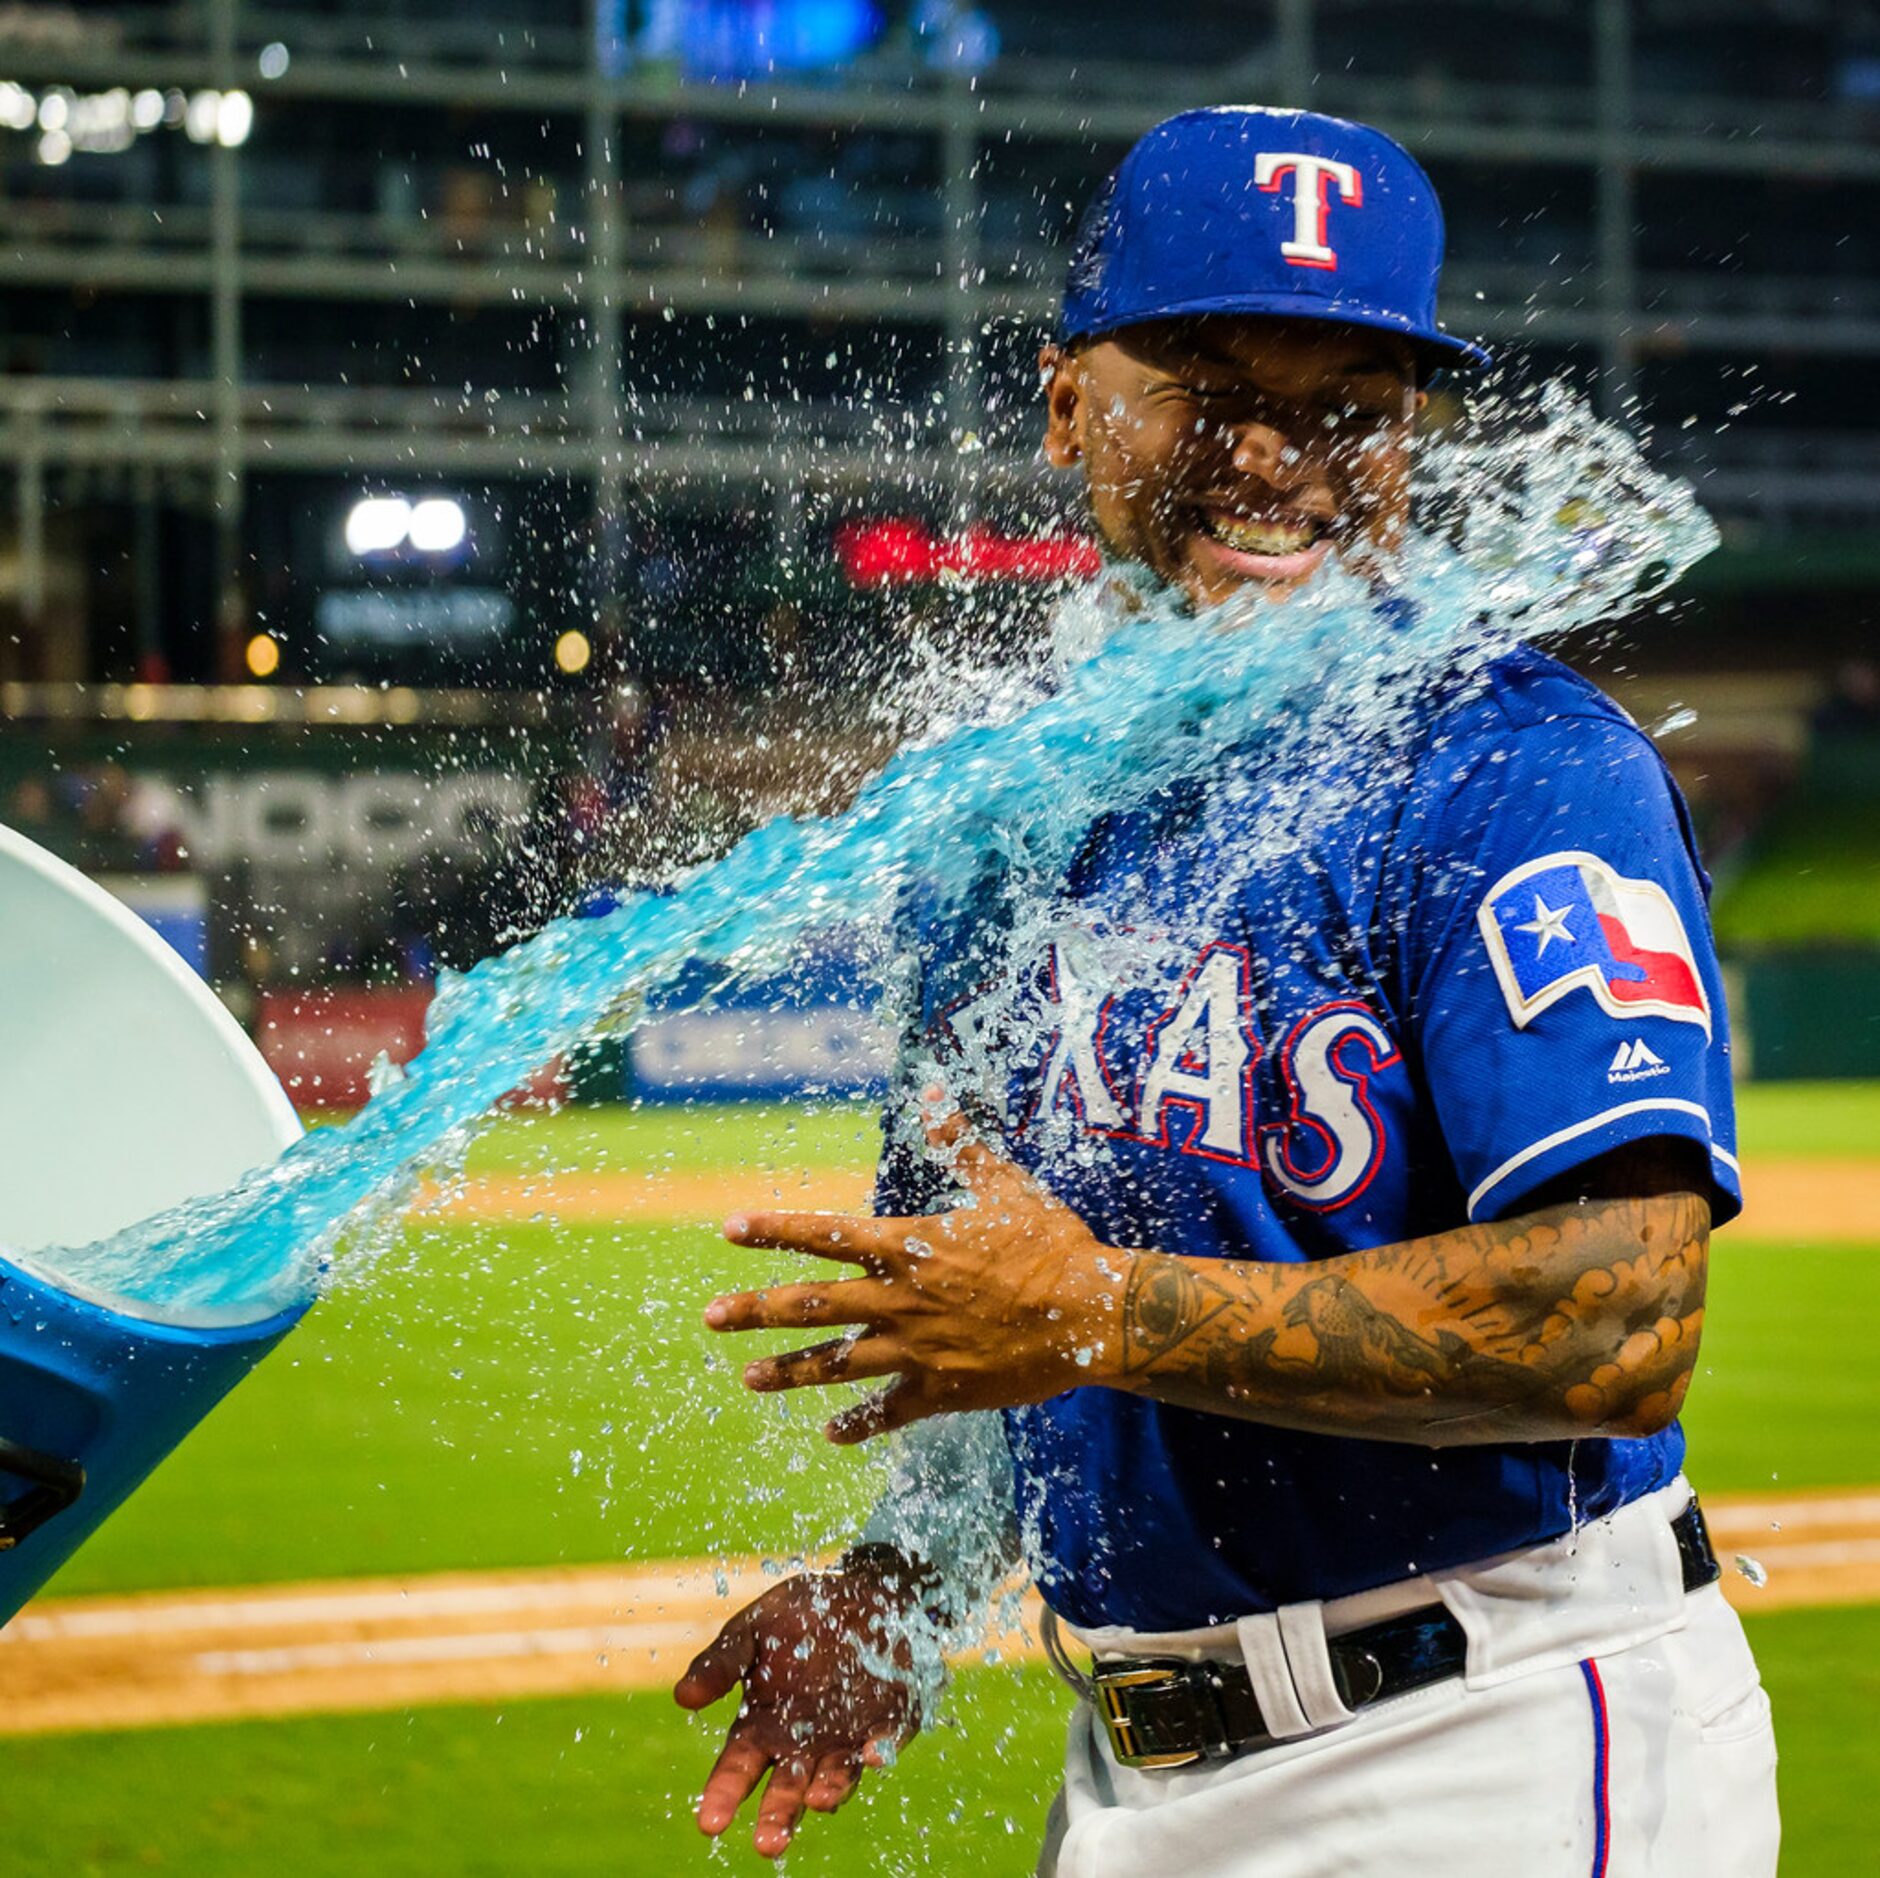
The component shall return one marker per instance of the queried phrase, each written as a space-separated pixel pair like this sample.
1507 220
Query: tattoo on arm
1576 1319
1168 1300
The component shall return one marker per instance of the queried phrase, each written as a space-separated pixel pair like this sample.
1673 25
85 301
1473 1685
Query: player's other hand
813 1715
1007 1299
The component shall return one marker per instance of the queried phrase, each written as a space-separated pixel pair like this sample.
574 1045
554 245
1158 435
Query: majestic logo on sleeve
1636 1061
1568 920
1314 180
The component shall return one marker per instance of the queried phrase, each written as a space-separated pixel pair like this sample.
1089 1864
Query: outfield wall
1807 1016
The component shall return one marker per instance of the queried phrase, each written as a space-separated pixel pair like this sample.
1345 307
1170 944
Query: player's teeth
1261 537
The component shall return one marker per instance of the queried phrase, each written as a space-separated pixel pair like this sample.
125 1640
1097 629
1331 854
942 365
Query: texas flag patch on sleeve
1568 921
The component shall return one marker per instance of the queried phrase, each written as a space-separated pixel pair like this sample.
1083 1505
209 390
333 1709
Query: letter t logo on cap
1314 178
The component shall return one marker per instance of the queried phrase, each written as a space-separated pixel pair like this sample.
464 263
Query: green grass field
535 1394
1812 879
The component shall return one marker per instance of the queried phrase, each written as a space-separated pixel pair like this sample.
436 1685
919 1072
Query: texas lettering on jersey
1179 1063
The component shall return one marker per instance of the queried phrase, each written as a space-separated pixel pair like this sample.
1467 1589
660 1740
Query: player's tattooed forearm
1575 1320
1166 1301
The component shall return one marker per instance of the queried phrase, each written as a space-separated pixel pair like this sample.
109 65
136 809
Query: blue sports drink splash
1557 527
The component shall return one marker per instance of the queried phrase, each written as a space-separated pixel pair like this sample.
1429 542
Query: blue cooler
125 1088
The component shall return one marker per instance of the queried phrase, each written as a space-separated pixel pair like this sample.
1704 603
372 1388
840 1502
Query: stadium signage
300 817
392 617
812 1030
825 1049
897 551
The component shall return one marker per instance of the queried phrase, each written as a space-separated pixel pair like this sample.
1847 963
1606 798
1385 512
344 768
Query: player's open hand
1007 1299
813 1715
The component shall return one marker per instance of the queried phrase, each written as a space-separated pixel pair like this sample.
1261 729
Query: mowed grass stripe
1777 1120
605 1782
1818 1201
432 1419
532 1394
1809 1120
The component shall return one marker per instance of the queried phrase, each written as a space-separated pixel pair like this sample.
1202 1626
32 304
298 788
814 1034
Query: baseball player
1330 1230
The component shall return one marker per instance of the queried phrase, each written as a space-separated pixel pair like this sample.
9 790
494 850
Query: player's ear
1063 402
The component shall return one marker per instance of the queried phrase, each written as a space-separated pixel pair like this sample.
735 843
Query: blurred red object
897 551
322 1043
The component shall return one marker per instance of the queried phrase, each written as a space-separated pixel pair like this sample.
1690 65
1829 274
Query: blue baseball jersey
1487 964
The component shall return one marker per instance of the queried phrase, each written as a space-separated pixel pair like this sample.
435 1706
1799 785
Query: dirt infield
161 1658
1820 1200
590 1199
1834 1200
155 1659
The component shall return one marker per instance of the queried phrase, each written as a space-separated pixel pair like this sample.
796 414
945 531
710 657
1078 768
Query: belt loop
1264 1650
1051 1636
1302 1634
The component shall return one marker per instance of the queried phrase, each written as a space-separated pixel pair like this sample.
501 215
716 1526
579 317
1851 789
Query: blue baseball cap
1244 210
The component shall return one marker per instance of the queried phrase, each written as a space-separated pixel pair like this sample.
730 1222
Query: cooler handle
55 1485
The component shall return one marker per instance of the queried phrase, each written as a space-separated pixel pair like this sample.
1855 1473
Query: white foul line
596 1640
1761 1516
365 1606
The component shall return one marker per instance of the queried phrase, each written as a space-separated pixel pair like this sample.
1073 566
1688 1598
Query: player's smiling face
1226 450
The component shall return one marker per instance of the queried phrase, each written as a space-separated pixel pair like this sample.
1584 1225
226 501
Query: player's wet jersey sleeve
1561 979
908 1182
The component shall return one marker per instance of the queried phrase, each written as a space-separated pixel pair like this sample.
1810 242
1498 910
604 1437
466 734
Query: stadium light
377 525
433 525
201 115
106 123
437 525
234 119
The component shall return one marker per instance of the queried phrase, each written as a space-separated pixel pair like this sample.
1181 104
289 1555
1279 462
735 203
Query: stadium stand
511 403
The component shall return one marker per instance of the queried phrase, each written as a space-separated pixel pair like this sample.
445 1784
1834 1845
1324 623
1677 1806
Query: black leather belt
1168 1712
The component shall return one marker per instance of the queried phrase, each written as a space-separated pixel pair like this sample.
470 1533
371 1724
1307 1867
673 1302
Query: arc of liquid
1163 697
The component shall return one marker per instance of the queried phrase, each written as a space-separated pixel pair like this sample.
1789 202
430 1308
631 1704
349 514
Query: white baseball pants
1607 1726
